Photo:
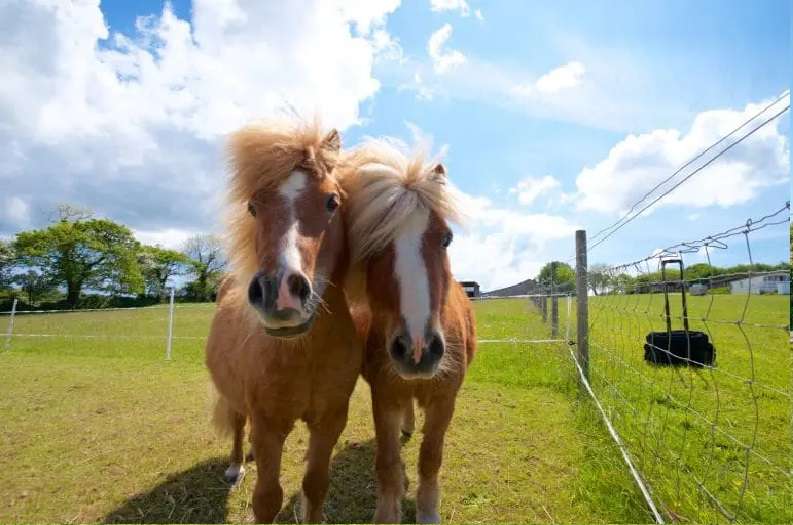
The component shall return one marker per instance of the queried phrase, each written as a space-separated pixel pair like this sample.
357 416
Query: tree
208 262
558 275
598 278
6 264
34 284
158 265
78 252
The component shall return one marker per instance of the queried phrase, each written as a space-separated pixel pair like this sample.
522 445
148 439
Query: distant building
698 289
528 286
773 282
471 288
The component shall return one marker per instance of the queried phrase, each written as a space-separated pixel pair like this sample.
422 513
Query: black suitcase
678 347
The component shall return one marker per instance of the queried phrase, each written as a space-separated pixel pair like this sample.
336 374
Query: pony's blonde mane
384 187
261 156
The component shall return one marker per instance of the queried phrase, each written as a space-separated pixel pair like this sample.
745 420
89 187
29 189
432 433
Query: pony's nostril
299 287
255 292
262 291
436 346
399 348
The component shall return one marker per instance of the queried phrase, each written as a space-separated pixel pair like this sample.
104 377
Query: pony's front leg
324 434
409 419
388 463
438 415
268 442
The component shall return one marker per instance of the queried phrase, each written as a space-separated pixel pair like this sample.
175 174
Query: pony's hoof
427 517
234 474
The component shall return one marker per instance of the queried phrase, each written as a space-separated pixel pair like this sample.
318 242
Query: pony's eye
252 209
332 203
446 240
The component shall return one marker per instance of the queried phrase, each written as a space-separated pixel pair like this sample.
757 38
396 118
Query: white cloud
425 142
530 188
419 87
501 247
367 14
563 77
639 162
451 5
422 91
16 210
132 125
170 238
479 15
443 60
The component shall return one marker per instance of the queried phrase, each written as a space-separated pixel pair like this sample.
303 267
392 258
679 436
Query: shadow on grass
200 494
196 495
351 495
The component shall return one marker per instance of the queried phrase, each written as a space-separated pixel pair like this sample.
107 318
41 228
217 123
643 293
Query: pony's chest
303 386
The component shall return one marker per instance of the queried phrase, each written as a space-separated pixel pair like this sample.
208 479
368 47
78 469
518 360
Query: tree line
560 276
80 260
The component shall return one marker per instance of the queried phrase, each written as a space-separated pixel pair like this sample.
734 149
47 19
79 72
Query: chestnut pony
282 345
418 323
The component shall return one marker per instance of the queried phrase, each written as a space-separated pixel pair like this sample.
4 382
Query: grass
703 438
104 429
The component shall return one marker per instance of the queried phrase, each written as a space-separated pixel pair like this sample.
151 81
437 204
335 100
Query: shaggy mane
384 187
261 156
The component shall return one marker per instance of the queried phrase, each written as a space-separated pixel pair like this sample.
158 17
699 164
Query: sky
552 116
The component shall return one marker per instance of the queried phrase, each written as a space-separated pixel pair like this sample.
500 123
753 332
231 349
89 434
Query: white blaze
290 255
411 274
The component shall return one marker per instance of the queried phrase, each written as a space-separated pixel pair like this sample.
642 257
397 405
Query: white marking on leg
234 473
411 273
427 498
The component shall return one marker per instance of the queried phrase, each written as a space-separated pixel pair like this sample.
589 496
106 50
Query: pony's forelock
385 186
260 156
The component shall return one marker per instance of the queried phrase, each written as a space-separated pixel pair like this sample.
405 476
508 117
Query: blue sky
553 115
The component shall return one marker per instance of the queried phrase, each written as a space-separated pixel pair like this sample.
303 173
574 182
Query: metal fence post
582 303
10 330
554 316
170 328
544 301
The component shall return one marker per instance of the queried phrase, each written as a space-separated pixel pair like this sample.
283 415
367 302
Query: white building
774 282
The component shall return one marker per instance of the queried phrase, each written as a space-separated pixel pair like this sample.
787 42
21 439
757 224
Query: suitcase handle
679 261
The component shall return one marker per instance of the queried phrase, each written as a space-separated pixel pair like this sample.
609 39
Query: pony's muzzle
280 299
419 358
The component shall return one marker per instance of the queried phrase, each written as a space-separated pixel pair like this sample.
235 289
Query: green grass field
703 438
102 428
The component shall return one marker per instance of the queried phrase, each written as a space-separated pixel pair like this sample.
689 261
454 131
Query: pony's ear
332 141
439 173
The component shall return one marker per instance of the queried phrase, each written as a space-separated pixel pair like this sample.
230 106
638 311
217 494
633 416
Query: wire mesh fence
694 373
152 332
132 332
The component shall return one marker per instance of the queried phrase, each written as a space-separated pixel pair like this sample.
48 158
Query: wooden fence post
554 316
582 312
544 300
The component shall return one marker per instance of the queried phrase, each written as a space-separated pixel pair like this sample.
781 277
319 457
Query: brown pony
282 346
418 327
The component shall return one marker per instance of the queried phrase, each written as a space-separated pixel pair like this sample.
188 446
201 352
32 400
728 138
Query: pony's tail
222 416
